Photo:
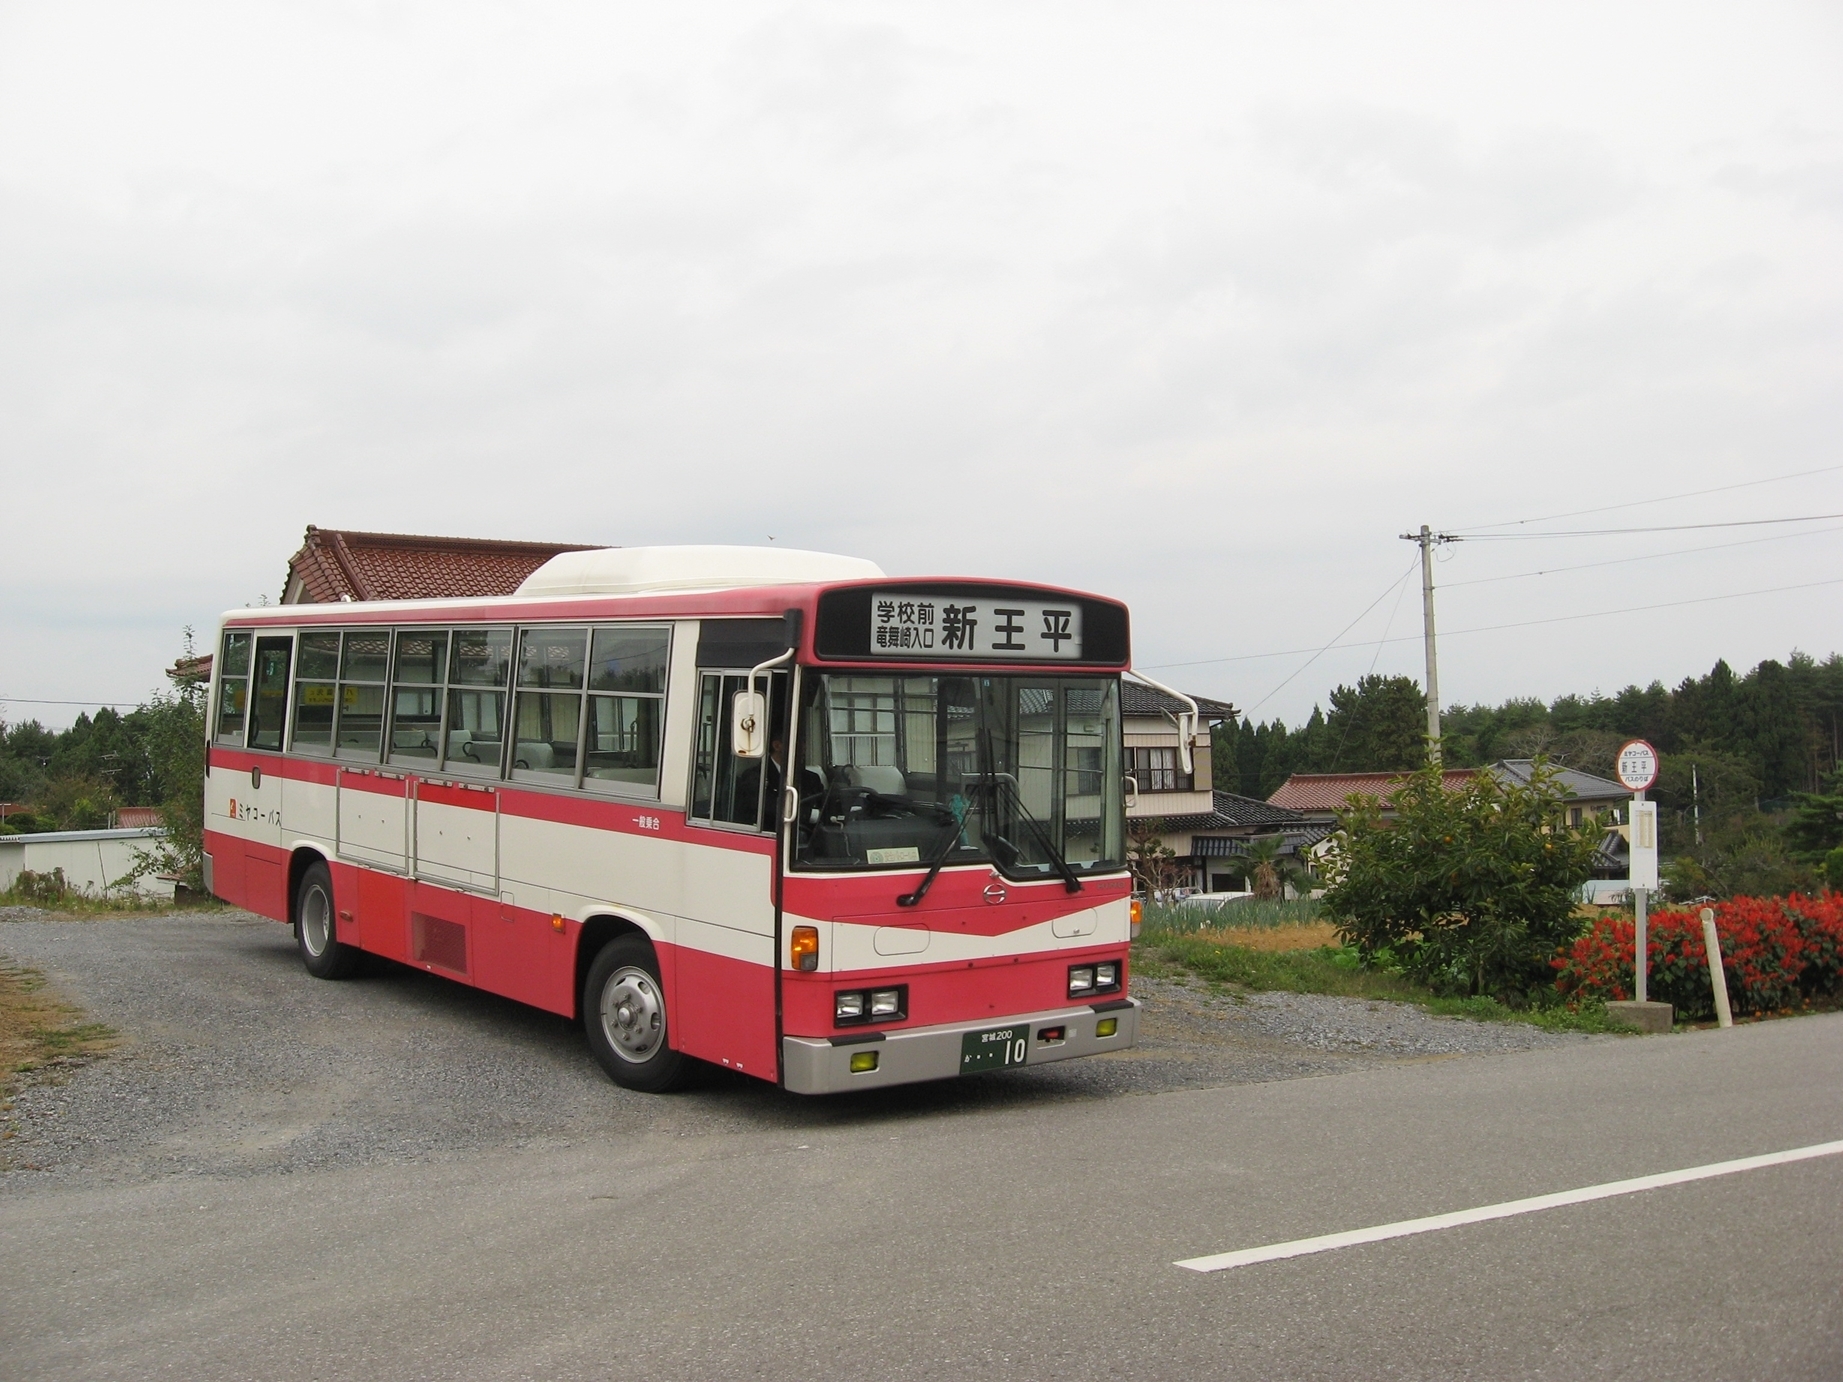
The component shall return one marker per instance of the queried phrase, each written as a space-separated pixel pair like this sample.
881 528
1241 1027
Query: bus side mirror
749 724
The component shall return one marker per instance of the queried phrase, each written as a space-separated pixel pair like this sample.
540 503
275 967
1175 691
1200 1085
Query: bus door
725 959
258 803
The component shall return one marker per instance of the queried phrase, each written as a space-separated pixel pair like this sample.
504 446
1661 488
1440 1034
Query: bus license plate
997 1048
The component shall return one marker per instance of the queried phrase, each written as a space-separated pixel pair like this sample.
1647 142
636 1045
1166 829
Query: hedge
1777 952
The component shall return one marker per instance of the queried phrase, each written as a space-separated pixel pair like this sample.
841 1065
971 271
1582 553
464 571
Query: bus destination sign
920 624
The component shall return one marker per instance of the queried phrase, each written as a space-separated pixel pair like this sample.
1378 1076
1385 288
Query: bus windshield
1022 772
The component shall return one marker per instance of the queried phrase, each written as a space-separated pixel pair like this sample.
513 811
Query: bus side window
478 669
316 674
547 716
416 695
365 658
627 665
233 687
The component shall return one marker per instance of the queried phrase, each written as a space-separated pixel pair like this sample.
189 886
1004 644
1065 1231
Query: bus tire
624 1015
316 927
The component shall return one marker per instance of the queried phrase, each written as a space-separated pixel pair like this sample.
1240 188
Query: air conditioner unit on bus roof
649 570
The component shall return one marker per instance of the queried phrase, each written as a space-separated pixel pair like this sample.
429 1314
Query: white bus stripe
1302 1247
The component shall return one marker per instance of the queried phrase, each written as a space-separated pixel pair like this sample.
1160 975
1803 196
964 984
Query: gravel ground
236 1062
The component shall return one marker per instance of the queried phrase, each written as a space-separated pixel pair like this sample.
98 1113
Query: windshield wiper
989 773
934 865
1070 882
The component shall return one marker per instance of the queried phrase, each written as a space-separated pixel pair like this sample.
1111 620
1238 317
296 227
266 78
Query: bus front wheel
316 929
624 1014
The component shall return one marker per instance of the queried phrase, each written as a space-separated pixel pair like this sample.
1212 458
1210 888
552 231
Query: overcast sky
1196 305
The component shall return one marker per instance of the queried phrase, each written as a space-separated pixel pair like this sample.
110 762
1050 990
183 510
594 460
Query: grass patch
48 892
1289 963
1323 969
41 1036
1558 1017
1245 915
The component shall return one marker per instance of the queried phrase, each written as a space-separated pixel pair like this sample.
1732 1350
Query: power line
1401 589
1661 528
1490 628
106 705
1649 556
1322 651
1664 499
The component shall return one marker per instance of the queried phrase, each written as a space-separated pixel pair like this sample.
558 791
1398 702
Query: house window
1156 770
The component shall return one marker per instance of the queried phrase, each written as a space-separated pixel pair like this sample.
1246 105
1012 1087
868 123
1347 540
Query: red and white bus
767 809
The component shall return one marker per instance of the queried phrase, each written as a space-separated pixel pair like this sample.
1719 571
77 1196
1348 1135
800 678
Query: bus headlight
851 1007
1088 980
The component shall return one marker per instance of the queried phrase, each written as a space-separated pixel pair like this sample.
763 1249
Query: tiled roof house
1319 796
1203 827
335 565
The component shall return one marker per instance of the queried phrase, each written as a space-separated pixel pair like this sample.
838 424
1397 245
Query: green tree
176 755
1816 824
78 801
1153 864
1377 726
1724 784
1743 855
1266 871
1471 890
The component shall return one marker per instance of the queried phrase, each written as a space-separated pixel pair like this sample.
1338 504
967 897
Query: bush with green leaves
1470 889
176 748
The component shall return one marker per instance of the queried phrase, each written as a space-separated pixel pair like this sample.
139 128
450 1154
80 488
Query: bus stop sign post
1637 771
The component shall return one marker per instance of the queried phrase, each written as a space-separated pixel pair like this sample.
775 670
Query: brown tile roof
187 670
1326 791
335 564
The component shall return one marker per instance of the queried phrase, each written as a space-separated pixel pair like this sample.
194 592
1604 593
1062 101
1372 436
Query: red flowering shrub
1775 953
1820 922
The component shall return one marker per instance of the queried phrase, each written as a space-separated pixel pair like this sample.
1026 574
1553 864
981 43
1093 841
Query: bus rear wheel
316 928
624 1014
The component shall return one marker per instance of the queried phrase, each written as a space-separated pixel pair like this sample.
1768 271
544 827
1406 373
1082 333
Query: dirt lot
232 1060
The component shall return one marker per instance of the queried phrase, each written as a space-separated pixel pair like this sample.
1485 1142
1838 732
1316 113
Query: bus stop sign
1637 765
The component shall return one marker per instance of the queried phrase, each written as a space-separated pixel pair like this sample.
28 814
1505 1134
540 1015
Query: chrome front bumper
818 1065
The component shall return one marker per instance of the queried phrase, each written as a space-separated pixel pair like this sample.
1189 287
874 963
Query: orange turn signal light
1138 911
805 948
556 922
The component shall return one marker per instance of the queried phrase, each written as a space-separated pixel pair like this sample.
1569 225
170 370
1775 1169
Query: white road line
1302 1247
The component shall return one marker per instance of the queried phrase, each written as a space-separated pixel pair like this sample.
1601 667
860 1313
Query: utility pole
1695 787
1428 539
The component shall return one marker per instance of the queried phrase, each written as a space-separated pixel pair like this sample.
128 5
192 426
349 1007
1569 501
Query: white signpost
1637 771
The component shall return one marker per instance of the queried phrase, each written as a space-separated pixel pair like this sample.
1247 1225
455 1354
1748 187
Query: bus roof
705 583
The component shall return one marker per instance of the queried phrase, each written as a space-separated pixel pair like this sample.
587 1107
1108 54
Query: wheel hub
633 1014
316 929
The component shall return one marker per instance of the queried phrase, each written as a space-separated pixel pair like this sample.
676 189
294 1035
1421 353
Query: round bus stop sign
1637 765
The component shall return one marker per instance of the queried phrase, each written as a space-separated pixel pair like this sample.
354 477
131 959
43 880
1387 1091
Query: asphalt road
400 1179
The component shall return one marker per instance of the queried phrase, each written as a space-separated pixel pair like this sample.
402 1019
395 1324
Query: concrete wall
91 859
